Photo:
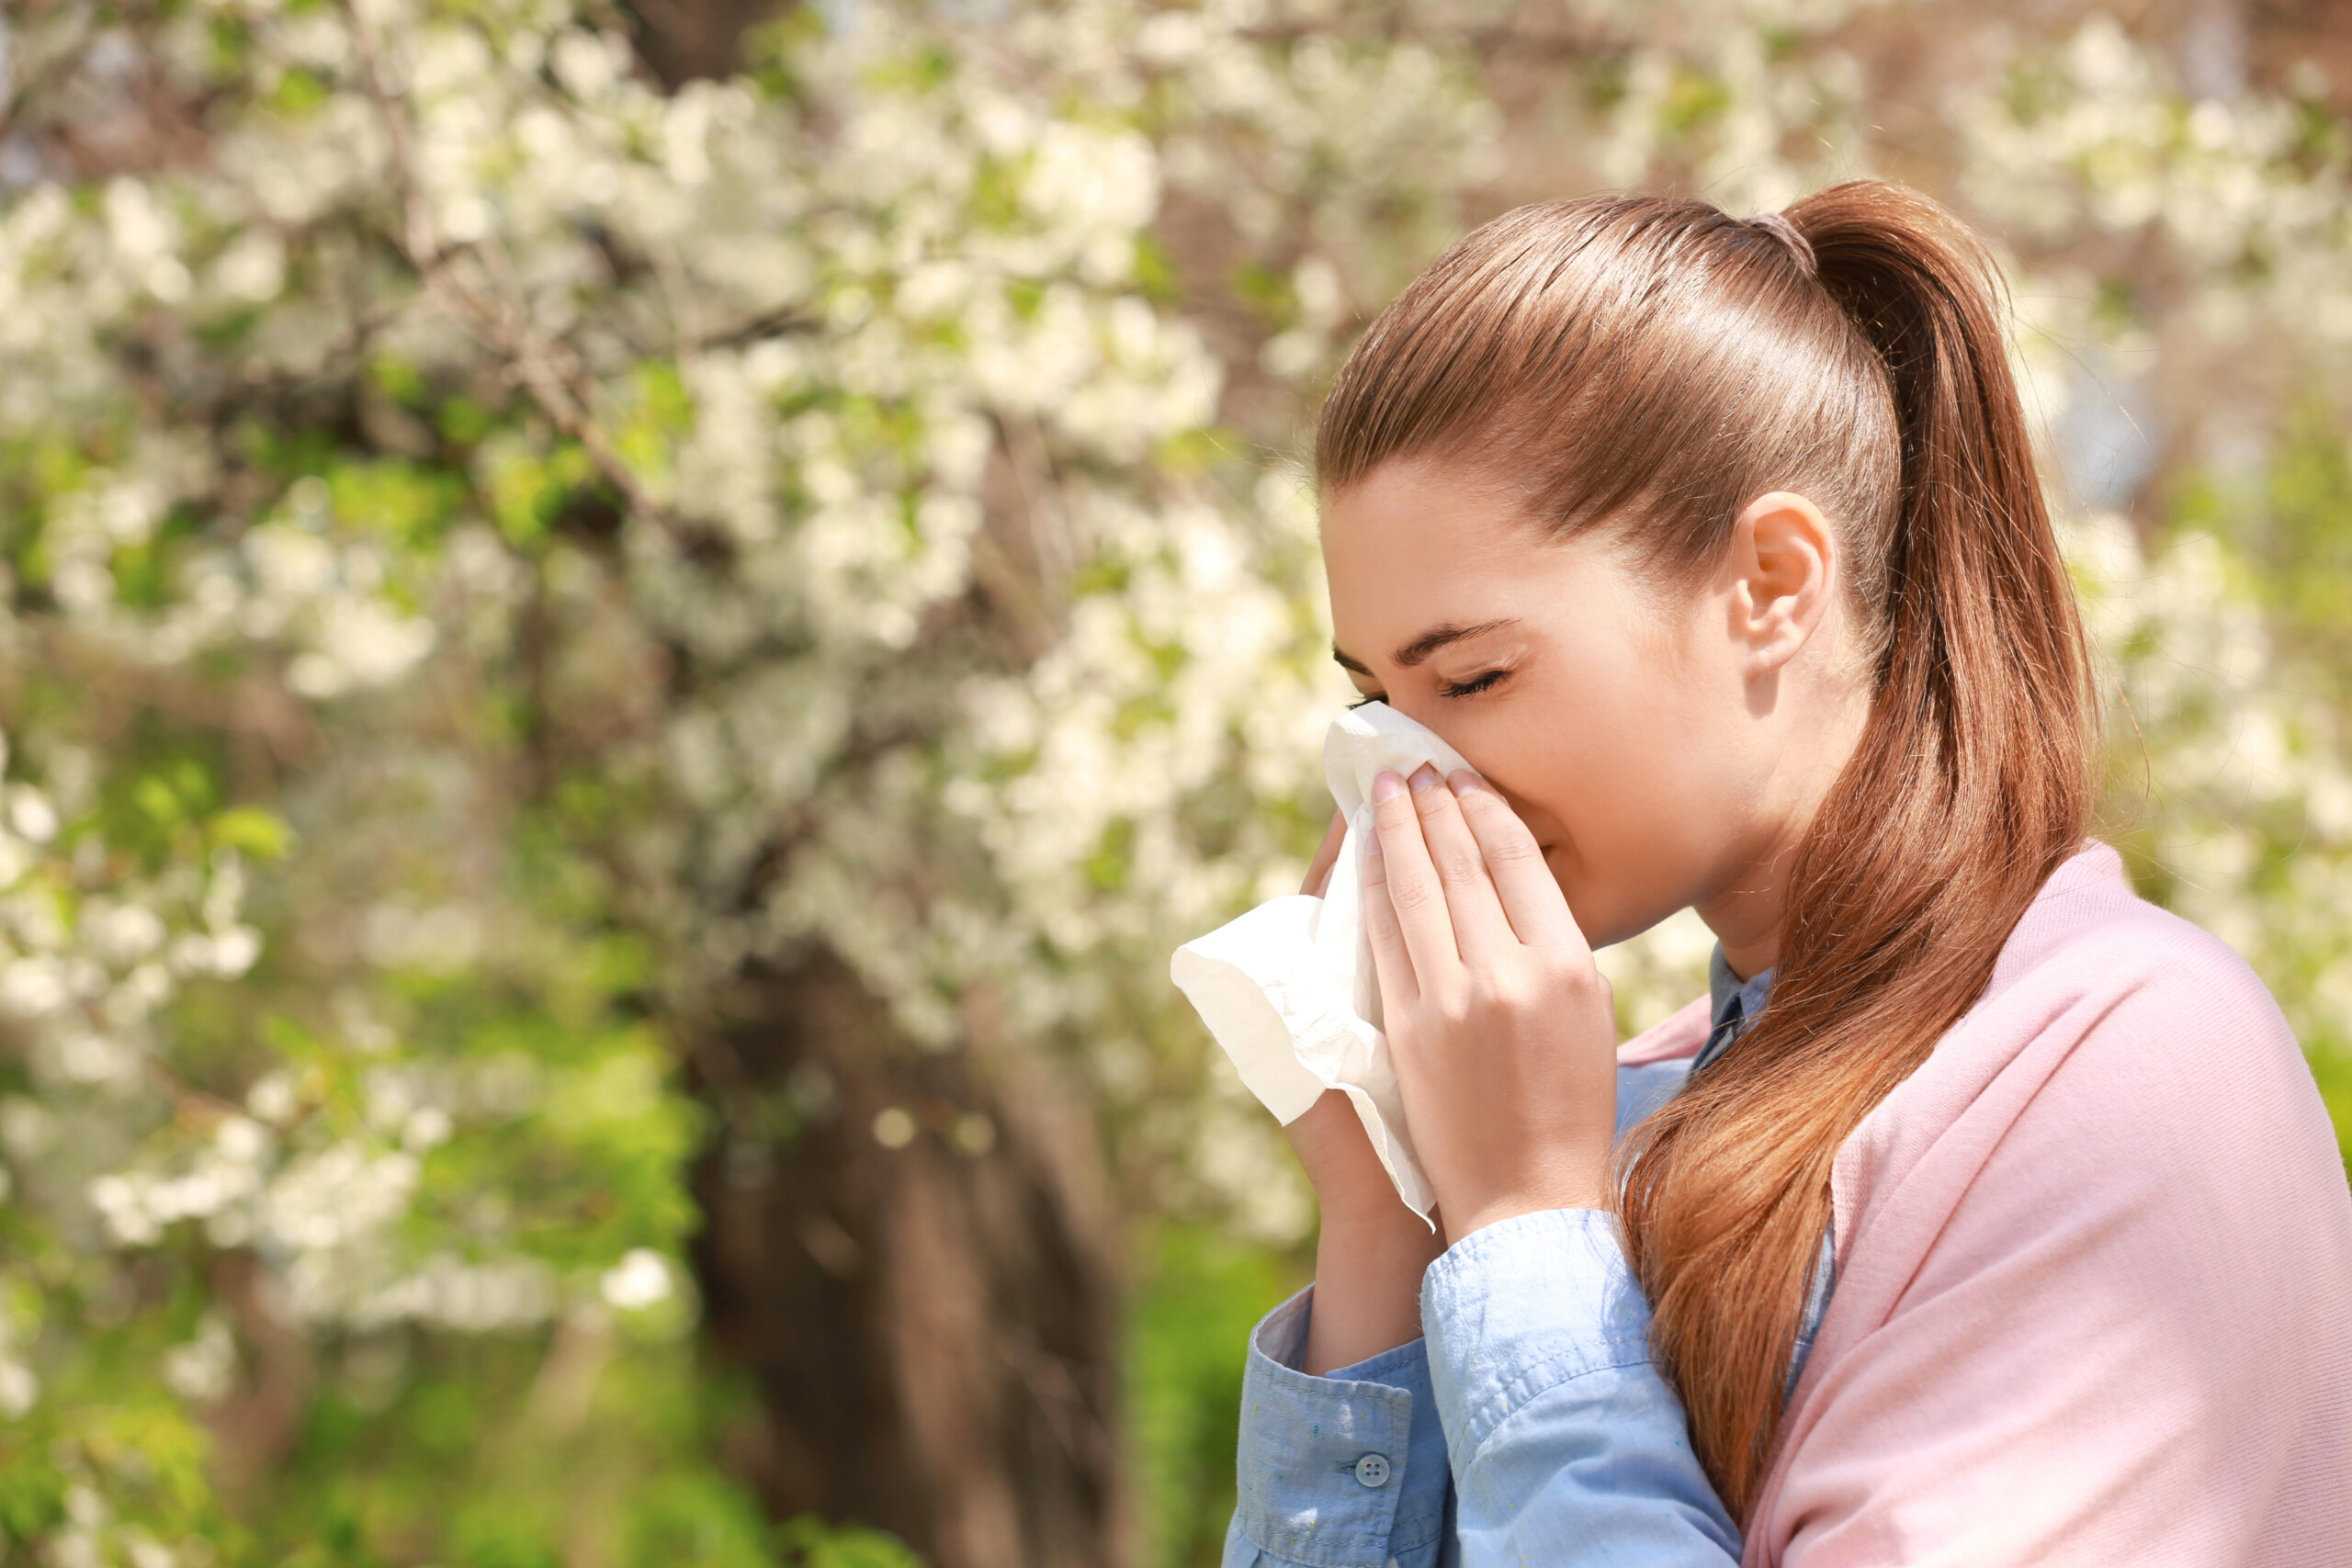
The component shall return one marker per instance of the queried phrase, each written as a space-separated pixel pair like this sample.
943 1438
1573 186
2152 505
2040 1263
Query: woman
1984 1214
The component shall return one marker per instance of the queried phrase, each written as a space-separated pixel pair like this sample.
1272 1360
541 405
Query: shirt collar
1731 1001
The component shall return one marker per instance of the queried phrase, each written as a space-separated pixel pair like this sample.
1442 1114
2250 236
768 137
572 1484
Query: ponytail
1649 367
1975 778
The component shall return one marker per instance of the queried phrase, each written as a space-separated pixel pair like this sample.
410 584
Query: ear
1785 568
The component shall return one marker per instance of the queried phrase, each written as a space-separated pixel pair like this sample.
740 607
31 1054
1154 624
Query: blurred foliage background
630 631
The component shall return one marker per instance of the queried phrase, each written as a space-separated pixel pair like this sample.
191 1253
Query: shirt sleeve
1307 1496
1347 1471
1567 1445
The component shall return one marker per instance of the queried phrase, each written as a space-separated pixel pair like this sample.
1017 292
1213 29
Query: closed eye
1475 685
1375 697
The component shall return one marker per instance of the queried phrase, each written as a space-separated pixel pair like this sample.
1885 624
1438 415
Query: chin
1603 933
1607 910
1607 916
1599 915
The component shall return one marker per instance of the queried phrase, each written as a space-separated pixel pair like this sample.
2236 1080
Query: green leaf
252 832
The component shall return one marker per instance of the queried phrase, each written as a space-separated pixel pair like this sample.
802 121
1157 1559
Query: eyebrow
1429 642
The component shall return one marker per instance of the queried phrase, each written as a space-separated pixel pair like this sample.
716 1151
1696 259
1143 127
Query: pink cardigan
2093 1287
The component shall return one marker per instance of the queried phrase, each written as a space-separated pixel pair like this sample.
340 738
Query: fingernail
1463 781
1386 786
1371 847
1424 777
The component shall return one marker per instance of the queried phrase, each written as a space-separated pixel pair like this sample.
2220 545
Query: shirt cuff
1328 1473
1520 1307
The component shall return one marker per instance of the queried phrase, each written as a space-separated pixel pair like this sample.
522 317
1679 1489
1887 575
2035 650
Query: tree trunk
682 39
911 1253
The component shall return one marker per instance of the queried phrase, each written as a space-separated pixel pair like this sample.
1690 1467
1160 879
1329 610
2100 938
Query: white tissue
1289 990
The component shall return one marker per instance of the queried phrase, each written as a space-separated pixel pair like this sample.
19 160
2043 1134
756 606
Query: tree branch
546 368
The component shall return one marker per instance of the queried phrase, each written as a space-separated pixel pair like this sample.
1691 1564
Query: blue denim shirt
1530 1426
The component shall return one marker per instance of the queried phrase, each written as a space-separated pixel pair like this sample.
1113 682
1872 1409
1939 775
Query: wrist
1385 1255
1477 1216
1373 1216
1368 1289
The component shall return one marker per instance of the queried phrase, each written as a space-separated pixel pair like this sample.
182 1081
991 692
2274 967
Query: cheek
1615 705
1614 770
1605 773
1637 704
1556 756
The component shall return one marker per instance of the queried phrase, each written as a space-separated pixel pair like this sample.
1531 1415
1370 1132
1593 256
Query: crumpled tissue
1289 989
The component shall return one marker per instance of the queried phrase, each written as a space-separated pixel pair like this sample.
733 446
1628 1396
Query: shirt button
1373 1470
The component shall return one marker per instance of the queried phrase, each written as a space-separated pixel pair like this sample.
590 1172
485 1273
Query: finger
1392 964
1531 898
1319 871
1479 923
1413 890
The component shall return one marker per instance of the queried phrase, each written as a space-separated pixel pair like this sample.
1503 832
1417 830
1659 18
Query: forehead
1413 545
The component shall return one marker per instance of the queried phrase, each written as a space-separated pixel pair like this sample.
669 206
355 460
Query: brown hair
1650 366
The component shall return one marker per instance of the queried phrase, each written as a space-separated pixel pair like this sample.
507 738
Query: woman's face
1633 730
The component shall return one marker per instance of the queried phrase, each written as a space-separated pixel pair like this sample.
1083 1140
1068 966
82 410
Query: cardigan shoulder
2117 976
2102 1233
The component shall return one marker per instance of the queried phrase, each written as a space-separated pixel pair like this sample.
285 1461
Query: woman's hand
1503 1031
1370 1250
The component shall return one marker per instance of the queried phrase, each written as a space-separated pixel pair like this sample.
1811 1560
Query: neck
1748 913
